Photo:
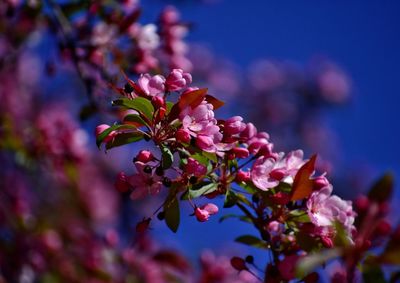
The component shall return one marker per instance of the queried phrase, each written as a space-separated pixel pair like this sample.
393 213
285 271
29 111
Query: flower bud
278 174
248 132
234 126
383 228
121 183
143 225
242 176
182 136
327 242
158 102
178 80
320 182
280 198
361 203
144 156
111 237
238 263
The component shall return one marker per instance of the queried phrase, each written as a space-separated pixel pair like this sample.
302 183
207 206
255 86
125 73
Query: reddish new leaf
192 98
302 184
214 101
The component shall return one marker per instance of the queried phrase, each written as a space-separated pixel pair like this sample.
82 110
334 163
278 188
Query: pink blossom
152 85
200 123
248 132
143 183
324 209
234 126
204 212
268 172
193 167
177 80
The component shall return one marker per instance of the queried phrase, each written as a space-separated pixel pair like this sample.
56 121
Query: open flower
267 172
144 183
152 85
324 209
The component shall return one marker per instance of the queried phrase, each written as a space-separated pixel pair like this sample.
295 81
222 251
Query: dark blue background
363 37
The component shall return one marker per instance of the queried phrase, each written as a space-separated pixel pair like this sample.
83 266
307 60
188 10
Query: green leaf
299 215
140 104
240 217
382 190
134 118
311 262
124 138
201 159
172 214
106 132
373 274
169 107
252 241
211 156
391 253
230 199
202 189
167 157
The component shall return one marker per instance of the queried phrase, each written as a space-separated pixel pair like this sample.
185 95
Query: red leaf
214 101
192 98
302 184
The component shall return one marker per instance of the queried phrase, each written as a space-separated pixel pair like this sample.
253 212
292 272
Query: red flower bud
320 182
144 156
143 225
383 228
182 136
242 176
361 204
121 183
238 263
158 102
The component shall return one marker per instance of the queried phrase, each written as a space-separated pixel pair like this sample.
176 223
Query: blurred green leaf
252 241
373 274
230 199
382 190
172 214
311 262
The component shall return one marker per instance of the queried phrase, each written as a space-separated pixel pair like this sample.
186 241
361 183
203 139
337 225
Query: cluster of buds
202 156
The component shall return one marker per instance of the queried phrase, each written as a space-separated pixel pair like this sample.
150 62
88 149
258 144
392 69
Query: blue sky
363 37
